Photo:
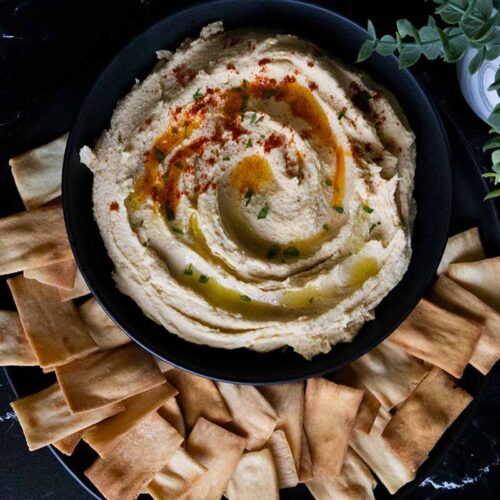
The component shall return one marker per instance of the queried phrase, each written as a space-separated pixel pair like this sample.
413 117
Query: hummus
253 192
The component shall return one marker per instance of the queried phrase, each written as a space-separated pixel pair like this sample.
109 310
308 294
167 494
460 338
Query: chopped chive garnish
291 252
189 270
203 279
197 95
226 158
341 114
263 212
373 226
273 251
326 227
368 209
328 181
339 210
253 119
269 93
170 213
178 165
177 230
244 102
248 196
244 84
245 298
160 155
236 89
249 143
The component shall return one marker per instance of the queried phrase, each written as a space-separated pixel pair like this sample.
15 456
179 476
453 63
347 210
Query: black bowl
339 37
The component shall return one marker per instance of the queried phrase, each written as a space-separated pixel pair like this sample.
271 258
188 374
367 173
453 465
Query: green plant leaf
485 7
409 55
431 42
496 83
495 158
477 27
494 119
492 52
451 11
406 28
492 194
371 30
456 43
366 50
477 60
493 143
496 169
386 45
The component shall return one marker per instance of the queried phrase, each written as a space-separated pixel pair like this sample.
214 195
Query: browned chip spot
15 349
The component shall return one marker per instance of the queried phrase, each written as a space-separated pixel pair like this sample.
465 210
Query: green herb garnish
373 226
249 143
253 119
197 95
326 227
341 114
203 279
170 213
188 271
263 212
339 210
267 93
178 165
244 102
245 298
160 155
273 251
244 84
368 209
328 181
291 252
177 230
236 89
248 196
226 158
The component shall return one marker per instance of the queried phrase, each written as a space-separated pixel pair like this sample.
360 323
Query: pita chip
423 418
198 397
389 373
368 409
15 349
33 239
305 471
45 417
60 274
381 459
255 477
219 451
68 444
163 365
101 328
104 436
283 458
55 331
124 473
329 415
482 278
80 289
462 247
171 412
288 403
355 482
450 295
107 377
439 337
253 417
37 173
175 480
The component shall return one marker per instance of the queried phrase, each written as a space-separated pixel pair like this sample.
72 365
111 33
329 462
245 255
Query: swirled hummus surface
253 192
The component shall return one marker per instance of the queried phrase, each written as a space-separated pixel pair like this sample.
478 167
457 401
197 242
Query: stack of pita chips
158 430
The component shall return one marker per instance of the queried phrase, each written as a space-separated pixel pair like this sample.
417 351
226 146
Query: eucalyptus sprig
469 24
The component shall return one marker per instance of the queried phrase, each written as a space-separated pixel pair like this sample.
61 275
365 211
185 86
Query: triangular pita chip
253 417
171 412
283 458
60 274
219 451
55 331
37 173
423 418
389 373
15 349
255 477
375 452
46 418
177 478
101 328
450 295
104 436
462 247
197 397
329 414
124 473
107 377
33 239
288 402
439 337
355 482
79 290
68 444
482 278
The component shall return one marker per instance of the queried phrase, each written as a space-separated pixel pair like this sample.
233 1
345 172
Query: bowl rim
200 370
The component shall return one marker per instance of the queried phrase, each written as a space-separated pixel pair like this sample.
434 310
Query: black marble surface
50 52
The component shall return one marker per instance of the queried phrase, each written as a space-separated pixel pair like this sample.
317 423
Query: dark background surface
50 53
